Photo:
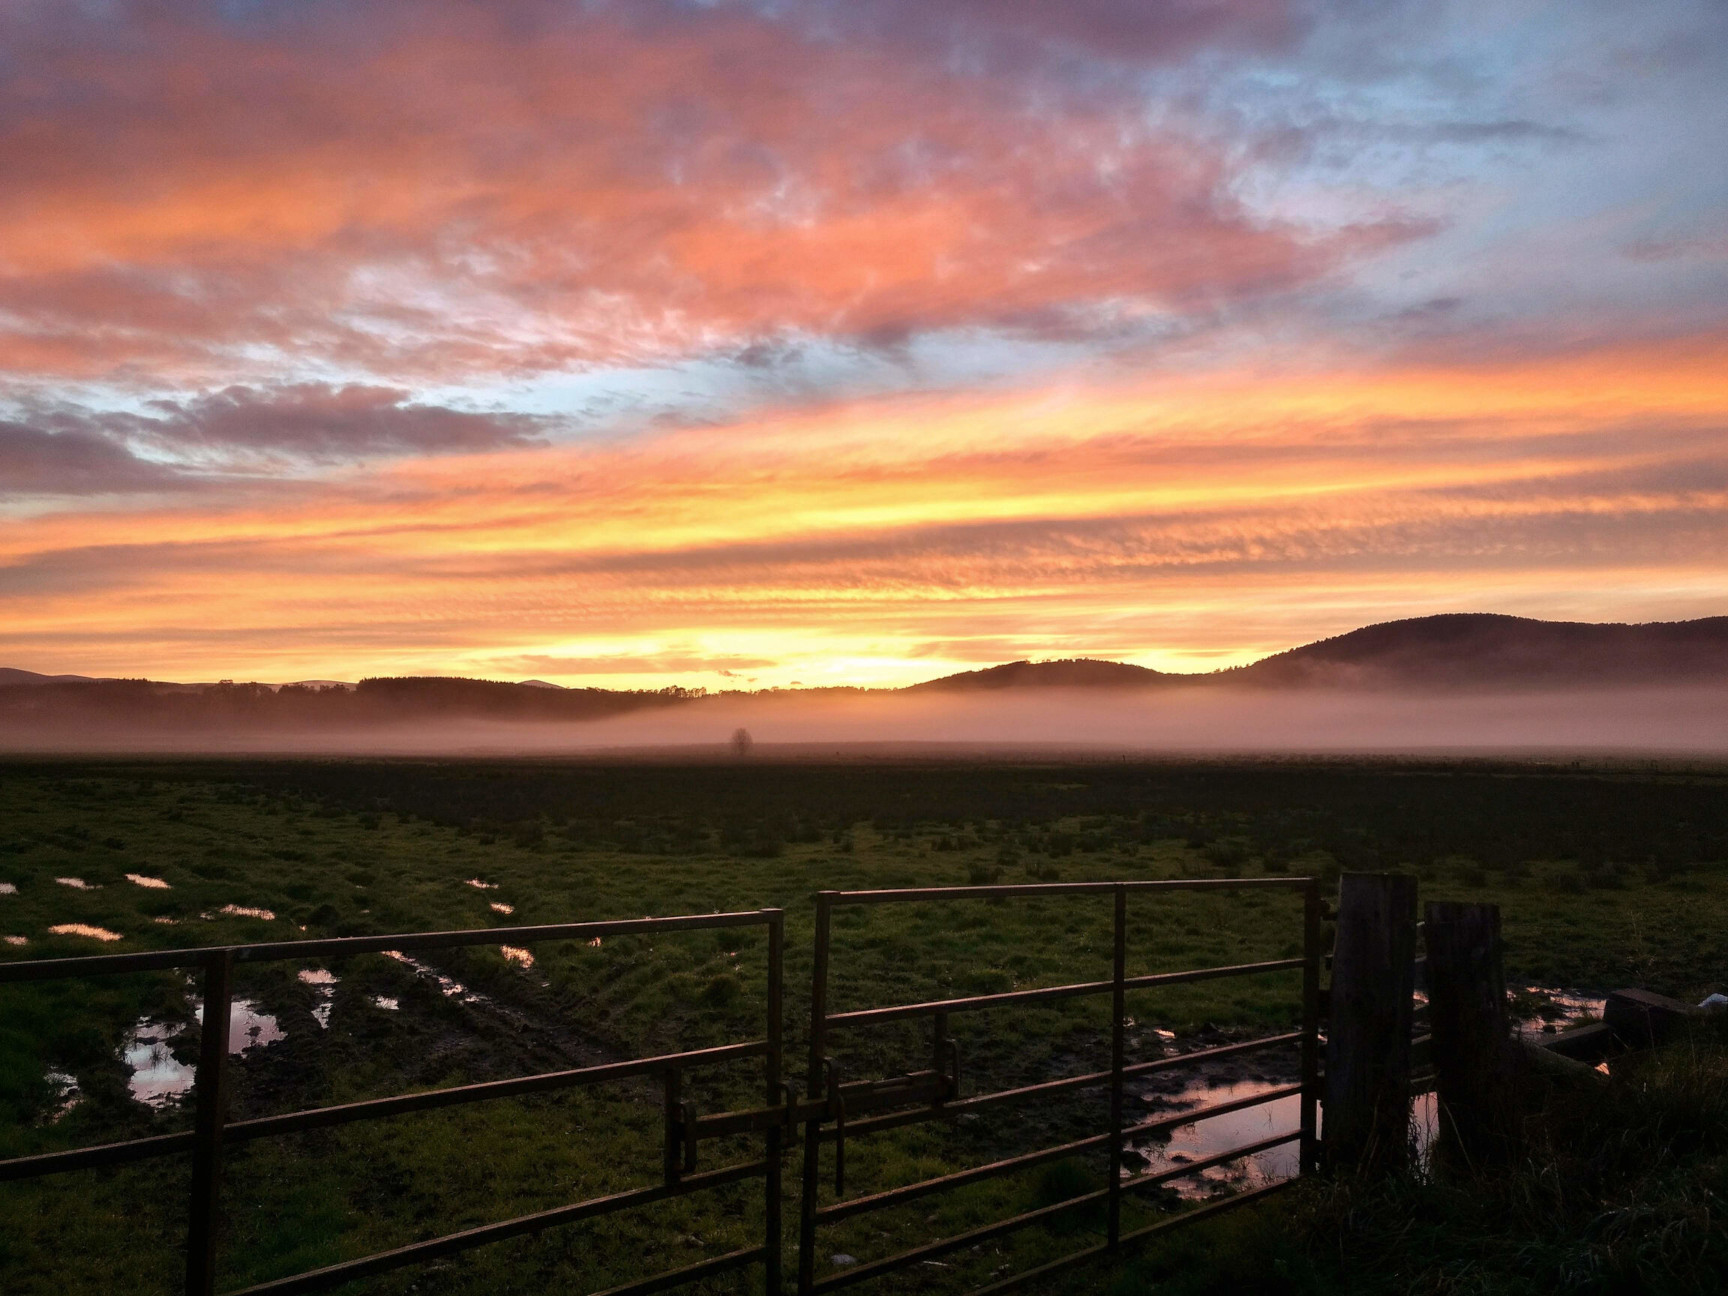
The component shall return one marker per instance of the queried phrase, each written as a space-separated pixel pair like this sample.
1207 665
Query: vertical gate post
1311 930
1118 1058
210 1096
1368 1041
672 1102
1472 1035
774 1067
814 1090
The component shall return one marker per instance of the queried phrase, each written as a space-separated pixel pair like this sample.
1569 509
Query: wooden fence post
1367 1112
1472 1038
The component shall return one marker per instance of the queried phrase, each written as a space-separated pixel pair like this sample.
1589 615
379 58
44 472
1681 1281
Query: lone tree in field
742 742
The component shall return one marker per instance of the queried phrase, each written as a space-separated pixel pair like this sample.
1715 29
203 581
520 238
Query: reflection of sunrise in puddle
158 1077
1215 1134
323 983
1554 1009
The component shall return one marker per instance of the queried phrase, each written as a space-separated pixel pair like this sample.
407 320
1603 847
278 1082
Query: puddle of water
241 911
67 1095
1566 1007
386 1002
1424 1124
1215 1134
498 906
516 954
17 940
84 929
448 987
248 1025
155 884
482 886
158 1077
323 982
77 884
8 888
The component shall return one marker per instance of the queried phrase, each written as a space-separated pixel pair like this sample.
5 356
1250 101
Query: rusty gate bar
370 1109
1311 934
1118 1057
936 1091
210 1093
814 1083
213 1133
896 1119
773 1093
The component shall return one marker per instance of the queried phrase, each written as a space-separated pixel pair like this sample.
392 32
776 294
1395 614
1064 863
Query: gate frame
213 1132
938 1087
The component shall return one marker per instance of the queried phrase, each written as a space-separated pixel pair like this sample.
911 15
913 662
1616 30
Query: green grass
1605 877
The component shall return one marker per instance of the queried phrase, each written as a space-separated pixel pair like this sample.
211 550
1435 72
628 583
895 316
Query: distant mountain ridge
1481 650
1486 650
1072 672
1466 652
11 676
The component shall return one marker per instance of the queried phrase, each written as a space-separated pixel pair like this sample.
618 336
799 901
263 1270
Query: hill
1487 651
1078 672
11 676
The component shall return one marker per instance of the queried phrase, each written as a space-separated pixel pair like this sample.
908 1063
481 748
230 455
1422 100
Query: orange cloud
1185 522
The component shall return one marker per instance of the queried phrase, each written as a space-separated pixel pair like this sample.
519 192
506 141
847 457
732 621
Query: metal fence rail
213 1132
832 1110
933 1093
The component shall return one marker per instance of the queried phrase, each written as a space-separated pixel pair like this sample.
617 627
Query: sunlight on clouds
1181 523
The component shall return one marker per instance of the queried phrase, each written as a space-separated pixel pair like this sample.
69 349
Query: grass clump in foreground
1620 1188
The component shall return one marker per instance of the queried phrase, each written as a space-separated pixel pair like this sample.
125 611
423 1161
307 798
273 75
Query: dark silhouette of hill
1481 653
11 676
1483 650
147 705
1077 672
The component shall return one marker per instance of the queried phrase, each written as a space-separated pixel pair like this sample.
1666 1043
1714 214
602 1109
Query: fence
933 1093
832 1111
213 1133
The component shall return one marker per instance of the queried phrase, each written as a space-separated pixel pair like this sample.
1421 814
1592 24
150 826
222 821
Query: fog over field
1653 720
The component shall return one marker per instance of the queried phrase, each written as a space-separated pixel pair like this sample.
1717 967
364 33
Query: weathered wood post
1367 1112
1473 1062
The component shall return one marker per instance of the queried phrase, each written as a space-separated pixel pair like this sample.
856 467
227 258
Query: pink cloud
453 188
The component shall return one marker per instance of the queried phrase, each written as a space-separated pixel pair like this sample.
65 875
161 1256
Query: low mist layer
1674 720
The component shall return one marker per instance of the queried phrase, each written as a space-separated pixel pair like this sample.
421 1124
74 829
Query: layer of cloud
1091 521
38 462
448 187
236 433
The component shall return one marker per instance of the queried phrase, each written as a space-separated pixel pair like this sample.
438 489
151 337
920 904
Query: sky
735 344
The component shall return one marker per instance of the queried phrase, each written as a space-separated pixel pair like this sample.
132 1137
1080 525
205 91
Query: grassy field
1605 876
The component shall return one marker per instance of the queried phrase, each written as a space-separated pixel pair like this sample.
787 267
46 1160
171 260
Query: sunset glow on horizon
749 345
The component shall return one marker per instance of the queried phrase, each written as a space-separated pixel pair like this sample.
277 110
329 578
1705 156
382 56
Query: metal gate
213 1132
837 1110
832 1111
